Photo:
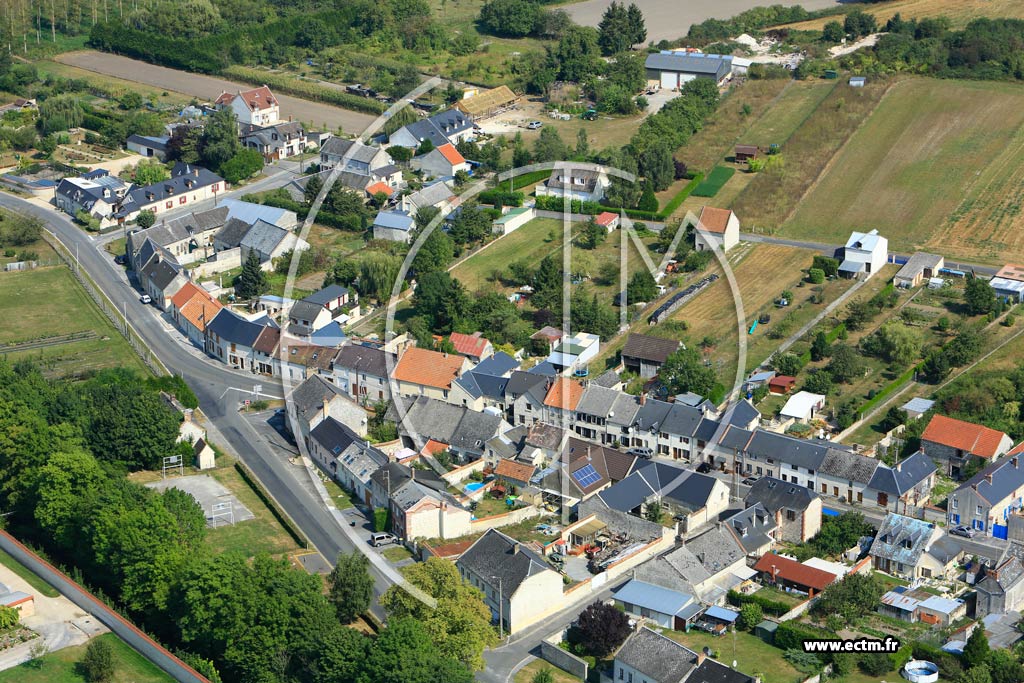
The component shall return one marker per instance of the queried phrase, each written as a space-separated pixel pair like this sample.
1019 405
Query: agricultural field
158 96
960 12
797 102
63 331
771 196
927 145
60 666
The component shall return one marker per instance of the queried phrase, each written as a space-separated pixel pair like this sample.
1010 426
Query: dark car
750 481
704 468
120 259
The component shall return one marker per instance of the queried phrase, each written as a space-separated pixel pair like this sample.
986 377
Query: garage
670 69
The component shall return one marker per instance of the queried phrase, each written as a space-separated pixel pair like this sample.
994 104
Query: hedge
774 607
323 217
308 90
790 635
681 196
501 197
271 504
889 388
522 180
718 177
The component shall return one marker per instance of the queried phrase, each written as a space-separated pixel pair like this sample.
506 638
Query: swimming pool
473 486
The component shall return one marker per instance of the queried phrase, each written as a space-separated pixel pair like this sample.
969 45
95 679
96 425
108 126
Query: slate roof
339 147
362 359
843 464
786 569
178 229
546 436
161 273
597 401
752 527
715 549
711 671
607 379
397 474
327 295
1007 575
264 237
624 410
499 363
775 494
352 452
902 539
652 349
656 656
233 232
966 436
998 480
497 556
250 213
429 368
742 413
907 474
457 426
184 178
231 327
795 452
431 195
439 127
308 398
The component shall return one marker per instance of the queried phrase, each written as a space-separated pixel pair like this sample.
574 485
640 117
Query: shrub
767 605
874 664
380 519
816 276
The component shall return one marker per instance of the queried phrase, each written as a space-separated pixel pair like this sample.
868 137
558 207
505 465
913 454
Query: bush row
774 607
289 85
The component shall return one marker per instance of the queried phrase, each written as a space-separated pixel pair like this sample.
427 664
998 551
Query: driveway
60 622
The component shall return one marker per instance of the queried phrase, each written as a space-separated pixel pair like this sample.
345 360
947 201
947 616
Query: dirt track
671 19
320 115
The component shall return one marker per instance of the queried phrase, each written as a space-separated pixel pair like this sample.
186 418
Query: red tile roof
782 381
429 368
195 305
469 344
1016 450
966 436
378 188
515 471
449 152
433 447
606 218
714 220
255 99
784 569
564 393
1011 271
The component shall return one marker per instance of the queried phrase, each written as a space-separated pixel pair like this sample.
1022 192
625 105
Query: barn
673 69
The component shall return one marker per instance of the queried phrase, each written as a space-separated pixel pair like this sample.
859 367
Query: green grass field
906 170
787 113
530 243
59 666
264 534
49 302
752 655
526 674
33 580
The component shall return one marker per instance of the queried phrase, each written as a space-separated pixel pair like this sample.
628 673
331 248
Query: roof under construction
486 103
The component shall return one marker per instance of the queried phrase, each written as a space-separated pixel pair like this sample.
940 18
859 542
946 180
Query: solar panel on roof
586 476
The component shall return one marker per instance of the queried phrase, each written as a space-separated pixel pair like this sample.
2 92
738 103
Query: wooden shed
746 152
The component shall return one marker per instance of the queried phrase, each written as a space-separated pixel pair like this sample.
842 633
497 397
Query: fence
107 306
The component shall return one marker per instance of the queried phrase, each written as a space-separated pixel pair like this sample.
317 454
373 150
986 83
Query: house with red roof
607 220
421 372
953 443
716 229
474 346
786 573
440 162
192 308
255 107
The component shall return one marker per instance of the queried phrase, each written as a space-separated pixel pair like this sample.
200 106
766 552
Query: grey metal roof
495 556
775 494
250 213
231 327
394 220
918 405
656 656
158 143
907 474
997 481
653 597
850 466
691 63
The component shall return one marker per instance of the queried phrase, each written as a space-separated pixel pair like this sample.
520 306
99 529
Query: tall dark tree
252 281
637 27
578 54
615 32
601 628
350 586
405 653
845 363
441 301
642 287
819 347
98 663
979 296
219 142
977 650
434 254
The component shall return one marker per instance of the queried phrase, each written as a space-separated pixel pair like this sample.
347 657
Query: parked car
534 125
120 259
965 531
146 299
750 481
645 453
382 538
704 468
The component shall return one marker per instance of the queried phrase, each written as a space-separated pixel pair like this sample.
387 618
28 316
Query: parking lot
208 492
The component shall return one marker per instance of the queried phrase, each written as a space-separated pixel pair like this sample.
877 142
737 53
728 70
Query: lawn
930 147
59 666
959 11
526 674
264 534
65 309
771 196
752 655
33 580
397 553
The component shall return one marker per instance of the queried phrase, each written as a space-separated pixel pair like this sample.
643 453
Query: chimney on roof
988 478
515 549
325 411
643 398
195 172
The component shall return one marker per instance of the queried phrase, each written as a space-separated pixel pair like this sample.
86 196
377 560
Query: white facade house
513 219
256 107
716 229
864 255
582 184
573 355
803 406
440 162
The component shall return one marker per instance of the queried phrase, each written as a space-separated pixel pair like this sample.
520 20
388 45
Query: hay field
960 12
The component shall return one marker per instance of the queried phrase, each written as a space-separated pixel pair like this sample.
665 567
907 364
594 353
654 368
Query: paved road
325 116
671 19
174 667
212 383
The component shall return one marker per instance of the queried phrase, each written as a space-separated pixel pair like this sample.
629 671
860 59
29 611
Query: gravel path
324 116
671 19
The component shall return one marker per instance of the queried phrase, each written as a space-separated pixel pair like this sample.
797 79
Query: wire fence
116 315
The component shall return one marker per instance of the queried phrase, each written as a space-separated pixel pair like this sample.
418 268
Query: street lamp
501 609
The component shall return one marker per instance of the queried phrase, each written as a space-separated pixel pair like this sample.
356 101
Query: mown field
959 11
45 303
908 168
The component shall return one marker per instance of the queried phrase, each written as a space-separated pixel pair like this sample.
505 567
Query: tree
436 252
591 235
145 219
787 364
751 615
656 165
977 674
129 426
460 624
549 146
875 664
510 18
819 382
894 417
219 141
819 347
833 32
976 651
405 653
615 31
852 597
9 618
60 489
979 297
859 23
98 663
441 301
845 363
243 165
684 371
816 276
642 287
895 342
1005 667
377 275
637 27
350 586
19 231
648 201
149 173
827 265
577 54
582 143
184 145
252 281
600 629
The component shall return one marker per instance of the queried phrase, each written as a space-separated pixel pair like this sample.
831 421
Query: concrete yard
208 492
